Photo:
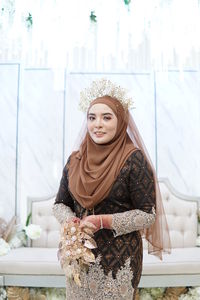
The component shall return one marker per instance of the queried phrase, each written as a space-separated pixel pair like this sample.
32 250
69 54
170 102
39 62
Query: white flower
193 294
198 241
4 247
73 229
3 294
184 297
78 251
68 253
33 231
73 238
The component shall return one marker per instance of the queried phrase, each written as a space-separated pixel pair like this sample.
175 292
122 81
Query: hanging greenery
93 16
127 2
29 21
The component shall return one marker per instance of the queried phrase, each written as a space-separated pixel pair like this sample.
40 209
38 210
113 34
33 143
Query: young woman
110 182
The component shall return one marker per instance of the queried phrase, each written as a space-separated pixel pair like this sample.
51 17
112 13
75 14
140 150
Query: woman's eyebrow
92 114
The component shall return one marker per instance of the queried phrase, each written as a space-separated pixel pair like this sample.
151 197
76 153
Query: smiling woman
110 183
102 123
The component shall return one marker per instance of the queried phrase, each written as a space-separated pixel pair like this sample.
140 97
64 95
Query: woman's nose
98 123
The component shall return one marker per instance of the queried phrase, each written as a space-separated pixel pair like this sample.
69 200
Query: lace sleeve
62 212
132 220
63 207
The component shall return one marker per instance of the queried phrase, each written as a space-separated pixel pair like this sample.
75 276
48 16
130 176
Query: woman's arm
63 208
142 196
63 213
132 220
122 223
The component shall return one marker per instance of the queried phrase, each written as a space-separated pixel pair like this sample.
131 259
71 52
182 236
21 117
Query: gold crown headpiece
104 87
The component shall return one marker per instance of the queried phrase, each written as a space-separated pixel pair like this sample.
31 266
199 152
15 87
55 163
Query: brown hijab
94 168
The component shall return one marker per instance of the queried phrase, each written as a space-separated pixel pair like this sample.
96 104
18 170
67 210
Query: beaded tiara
104 87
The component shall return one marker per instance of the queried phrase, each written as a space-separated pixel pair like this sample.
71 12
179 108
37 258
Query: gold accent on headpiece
104 87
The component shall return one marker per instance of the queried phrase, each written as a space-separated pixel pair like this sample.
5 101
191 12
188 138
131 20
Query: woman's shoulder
136 156
134 160
138 162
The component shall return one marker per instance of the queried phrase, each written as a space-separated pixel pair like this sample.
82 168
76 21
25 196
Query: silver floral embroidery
62 212
98 286
132 220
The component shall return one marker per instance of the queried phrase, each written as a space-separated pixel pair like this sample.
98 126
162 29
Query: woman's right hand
94 219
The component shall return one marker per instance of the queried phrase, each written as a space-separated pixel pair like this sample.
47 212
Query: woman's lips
99 134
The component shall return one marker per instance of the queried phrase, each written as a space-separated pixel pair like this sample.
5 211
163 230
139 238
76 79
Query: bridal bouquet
75 249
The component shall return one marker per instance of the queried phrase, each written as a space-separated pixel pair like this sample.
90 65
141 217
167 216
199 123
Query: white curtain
158 34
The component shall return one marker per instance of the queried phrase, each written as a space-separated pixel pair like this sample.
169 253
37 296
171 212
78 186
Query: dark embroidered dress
131 201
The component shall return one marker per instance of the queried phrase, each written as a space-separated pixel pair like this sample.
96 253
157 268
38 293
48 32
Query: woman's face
101 123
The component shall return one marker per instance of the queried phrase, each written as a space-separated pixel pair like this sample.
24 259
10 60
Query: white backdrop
144 35
39 125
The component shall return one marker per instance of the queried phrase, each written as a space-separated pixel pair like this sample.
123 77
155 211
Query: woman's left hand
94 219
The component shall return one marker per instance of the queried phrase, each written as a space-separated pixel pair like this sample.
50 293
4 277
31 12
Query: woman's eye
91 118
107 118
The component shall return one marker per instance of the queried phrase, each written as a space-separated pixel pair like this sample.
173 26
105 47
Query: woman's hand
94 219
74 219
99 221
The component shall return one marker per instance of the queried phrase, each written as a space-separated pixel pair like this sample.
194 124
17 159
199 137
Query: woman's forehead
100 108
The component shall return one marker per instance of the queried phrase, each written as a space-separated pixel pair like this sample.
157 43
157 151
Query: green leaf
127 2
93 16
28 219
29 20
